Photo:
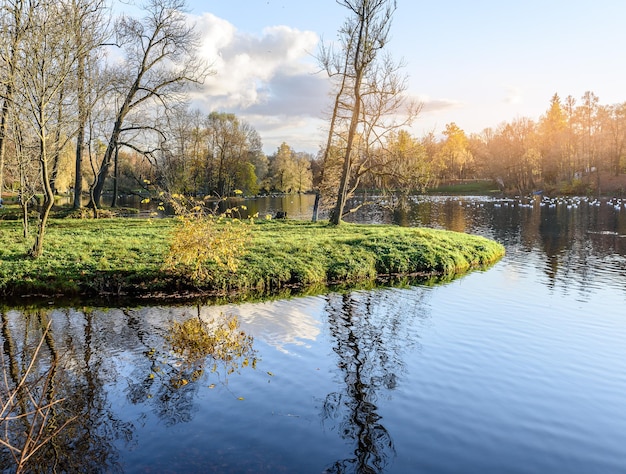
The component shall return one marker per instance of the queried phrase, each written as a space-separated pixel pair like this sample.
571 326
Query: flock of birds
616 203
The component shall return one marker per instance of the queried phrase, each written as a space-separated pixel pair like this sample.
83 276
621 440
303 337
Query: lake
519 368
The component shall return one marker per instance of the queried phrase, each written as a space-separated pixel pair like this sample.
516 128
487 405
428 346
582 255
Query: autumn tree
614 117
303 172
229 143
552 129
455 156
407 167
571 140
516 147
587 118
282 168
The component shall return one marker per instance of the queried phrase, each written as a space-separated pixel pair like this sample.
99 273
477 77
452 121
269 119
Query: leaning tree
159 63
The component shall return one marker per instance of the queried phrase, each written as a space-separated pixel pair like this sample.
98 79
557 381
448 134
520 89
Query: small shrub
202 240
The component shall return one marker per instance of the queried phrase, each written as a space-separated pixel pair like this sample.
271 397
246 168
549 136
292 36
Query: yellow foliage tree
203 239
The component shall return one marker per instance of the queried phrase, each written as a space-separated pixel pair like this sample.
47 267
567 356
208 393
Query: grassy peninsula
124 257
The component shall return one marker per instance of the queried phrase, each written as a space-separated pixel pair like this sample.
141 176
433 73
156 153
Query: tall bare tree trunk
359 69
3 130
48 202
365 34
342 194
331 132
116 175
103 172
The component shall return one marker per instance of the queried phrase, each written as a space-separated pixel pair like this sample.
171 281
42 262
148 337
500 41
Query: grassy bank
125 257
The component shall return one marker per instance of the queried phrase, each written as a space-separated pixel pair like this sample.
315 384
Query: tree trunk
116 174
316 206
24 206
103 173
105 167
57 146
80 138
3 129
337 213
37 249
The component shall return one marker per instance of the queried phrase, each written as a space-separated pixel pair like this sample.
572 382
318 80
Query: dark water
517 369
296 206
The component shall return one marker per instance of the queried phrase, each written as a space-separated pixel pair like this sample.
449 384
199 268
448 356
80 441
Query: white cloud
269 80
259 72
430 105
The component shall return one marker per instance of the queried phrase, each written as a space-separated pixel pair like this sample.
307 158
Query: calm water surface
519 369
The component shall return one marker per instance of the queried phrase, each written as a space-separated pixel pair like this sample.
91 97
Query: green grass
125 256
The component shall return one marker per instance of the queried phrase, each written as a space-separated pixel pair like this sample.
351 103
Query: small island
125 257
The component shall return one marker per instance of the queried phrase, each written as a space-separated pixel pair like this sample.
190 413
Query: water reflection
87 361
281 324
582 241
370 347
71 363
122 373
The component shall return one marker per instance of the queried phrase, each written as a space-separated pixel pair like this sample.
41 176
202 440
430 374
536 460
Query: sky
476 63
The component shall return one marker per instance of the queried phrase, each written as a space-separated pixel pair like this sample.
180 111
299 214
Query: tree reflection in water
193 349
80 353
372 334
73 361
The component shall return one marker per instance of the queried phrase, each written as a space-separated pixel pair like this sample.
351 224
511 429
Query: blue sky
476 63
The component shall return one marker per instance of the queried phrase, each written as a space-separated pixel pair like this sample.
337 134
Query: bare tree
24 165
336 66
90 31
47 60
159 63
14 20
230 144
369 91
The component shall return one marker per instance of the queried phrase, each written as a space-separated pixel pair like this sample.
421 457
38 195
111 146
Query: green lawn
125 256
